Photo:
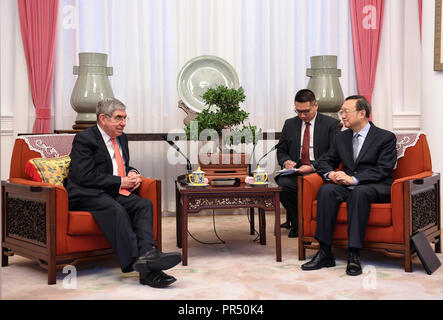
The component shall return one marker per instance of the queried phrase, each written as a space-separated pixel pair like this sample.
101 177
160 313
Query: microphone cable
215 231
249 220
216 234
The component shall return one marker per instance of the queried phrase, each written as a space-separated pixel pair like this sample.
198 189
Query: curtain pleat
367 23
38 21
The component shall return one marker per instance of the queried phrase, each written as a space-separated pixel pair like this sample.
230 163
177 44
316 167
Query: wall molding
406 121
7 125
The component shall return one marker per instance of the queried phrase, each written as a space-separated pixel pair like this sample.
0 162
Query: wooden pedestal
224 165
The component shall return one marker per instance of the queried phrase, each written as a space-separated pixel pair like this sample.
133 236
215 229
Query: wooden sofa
36 222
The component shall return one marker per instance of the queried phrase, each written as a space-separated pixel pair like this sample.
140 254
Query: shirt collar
312 121
363 132
105 136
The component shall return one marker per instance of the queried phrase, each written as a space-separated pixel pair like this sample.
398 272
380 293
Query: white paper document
285 172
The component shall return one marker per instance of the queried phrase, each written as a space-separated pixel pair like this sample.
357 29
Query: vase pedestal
82 125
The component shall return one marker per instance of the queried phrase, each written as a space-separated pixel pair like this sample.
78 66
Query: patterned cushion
52 170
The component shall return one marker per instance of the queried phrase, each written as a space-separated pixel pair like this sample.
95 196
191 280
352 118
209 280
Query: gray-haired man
102 182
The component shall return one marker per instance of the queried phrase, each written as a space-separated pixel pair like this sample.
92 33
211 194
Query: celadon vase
92 85
325 84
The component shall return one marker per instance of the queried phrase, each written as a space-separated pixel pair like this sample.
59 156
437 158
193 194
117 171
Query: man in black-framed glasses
304 139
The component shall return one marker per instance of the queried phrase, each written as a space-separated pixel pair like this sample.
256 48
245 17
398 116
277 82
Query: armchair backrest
413 154
37 146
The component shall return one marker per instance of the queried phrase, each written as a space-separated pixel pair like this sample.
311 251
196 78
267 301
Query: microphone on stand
250 161
180 178
272 149
252 154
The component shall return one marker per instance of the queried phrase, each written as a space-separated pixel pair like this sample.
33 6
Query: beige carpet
239 269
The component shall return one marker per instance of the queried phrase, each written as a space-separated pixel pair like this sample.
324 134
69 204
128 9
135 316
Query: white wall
432 88
15 100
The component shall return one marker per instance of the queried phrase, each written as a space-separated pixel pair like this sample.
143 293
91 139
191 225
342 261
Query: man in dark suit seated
303 140
368 155
102 182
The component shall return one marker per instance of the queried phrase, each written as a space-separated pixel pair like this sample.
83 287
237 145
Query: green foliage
227 100
227 115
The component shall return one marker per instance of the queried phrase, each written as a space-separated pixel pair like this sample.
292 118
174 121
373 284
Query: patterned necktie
120 166
355 143
305 158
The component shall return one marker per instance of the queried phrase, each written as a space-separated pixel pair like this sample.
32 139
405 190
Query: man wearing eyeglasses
102 182
303 140
368 155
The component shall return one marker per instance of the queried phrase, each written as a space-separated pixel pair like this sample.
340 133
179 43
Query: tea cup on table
197 177
260 176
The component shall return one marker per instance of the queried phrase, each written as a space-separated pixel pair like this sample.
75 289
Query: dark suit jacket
325 131
91 171
374 163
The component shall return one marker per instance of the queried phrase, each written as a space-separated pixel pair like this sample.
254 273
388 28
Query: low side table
190 199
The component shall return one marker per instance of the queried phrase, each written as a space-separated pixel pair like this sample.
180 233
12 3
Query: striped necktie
355 143
305 158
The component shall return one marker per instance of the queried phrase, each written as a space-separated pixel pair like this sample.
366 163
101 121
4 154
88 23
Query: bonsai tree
227 114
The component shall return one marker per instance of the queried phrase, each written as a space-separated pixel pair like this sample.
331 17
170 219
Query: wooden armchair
36 222
414 206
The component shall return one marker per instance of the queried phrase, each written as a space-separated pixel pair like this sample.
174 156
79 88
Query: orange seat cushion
82 223
380 216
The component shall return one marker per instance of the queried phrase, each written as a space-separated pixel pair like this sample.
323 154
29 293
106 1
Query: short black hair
361 104
305 95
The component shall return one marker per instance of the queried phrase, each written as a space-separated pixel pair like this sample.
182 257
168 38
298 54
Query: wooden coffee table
191 199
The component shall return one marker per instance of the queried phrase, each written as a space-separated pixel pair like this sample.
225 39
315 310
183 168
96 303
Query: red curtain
366 20
38 20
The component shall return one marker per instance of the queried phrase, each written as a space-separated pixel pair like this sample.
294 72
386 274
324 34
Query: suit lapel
368 141
297 136
348 145
318 132
101 144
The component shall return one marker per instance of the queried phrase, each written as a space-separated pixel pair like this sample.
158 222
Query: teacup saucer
198 185
257 184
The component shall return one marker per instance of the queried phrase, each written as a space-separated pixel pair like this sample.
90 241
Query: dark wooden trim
407 207
301 247
158 187
193 199
159 136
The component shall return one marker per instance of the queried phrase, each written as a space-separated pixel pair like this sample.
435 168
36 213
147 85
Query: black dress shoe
322 259
286 225
156 279
354 267
155 260
293 233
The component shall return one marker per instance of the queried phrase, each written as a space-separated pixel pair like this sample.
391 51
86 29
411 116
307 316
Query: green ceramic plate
201 73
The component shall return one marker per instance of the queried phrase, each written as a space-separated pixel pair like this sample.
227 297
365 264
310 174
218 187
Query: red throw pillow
32 170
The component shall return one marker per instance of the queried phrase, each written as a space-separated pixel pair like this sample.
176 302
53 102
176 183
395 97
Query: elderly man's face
351 117
114 125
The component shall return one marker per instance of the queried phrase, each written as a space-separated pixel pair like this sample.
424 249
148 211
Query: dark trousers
358 201
127 223
289 197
